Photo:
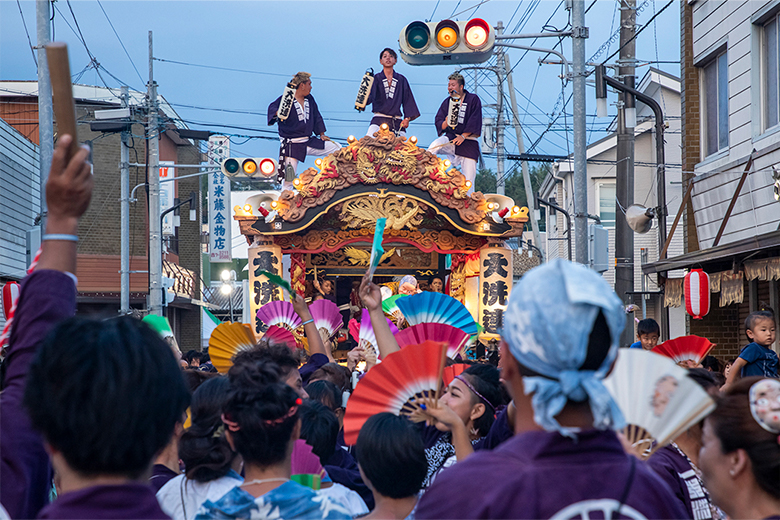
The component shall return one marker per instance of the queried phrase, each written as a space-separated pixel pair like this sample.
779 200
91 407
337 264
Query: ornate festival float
327 223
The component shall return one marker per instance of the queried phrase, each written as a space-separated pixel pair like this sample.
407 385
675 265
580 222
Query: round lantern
697 294
10 295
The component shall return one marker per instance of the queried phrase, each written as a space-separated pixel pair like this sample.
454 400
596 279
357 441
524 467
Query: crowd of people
99 420
458 123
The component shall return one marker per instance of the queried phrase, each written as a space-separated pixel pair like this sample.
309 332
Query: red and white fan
658 399
685 348
279 313
276 335
453 337
397 385
227 340
451 371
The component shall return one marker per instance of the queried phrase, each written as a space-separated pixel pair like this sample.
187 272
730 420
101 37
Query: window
716 102
605 193
770 79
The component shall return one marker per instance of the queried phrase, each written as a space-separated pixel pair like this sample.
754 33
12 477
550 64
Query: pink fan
327 318
277 335
363 332
279 313
416 334
305 461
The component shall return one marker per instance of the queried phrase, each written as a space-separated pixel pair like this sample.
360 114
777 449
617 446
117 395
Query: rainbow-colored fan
430 307
454 338
404 377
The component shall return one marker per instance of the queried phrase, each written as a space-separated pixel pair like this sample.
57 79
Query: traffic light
448 41
250 167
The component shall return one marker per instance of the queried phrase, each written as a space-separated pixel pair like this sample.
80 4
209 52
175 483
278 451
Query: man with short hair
459 129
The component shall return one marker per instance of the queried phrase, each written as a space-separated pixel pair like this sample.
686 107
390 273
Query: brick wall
722 327
690 107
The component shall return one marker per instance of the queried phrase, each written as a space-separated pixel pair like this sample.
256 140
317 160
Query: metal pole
153 173
45 108
624 185
530 195
230 300
500 152
579 35
124 206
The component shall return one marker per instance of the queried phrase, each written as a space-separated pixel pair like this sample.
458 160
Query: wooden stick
733 202
442 362
62 93
685 201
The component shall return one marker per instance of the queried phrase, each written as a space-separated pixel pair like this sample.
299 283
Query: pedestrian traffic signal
448 41
250 167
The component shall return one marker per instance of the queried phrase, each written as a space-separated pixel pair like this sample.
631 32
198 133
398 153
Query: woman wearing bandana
740 455
561 333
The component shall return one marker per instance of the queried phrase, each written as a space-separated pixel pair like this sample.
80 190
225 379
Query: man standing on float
459 123
295 132
389 92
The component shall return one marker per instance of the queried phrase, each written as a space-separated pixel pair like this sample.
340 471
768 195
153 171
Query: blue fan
431 307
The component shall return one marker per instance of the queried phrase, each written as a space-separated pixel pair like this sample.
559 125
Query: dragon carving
361 257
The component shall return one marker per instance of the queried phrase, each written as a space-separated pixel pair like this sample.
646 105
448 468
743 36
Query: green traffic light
418 36
231 166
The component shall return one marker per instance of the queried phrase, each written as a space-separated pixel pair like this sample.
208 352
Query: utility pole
153 173
530 195
45 109
624 186
500 152
579 35
124 206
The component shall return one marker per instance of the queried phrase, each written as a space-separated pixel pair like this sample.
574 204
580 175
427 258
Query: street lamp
228 277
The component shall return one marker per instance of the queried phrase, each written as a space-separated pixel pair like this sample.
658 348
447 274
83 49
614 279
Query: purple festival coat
134 500
298 125
540 474
677 472
402 97
46 298
471 122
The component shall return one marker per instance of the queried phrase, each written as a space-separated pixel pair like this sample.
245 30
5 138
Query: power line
639 31
120 42
27 33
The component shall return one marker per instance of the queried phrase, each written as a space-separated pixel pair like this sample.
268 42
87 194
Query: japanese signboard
263 255
167 194
219 202
495 280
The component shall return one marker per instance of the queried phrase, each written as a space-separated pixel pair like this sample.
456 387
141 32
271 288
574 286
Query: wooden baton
62 93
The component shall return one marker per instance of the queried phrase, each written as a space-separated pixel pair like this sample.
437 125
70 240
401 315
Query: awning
721 257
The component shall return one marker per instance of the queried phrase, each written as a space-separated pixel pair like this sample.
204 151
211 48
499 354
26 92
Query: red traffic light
476 34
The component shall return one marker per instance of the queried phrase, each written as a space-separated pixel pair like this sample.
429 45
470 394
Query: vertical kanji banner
263 255
220 244
495 279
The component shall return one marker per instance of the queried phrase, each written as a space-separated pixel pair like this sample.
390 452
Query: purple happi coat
132 500
469 121
303 121
46 298
389 98
676 470
544 474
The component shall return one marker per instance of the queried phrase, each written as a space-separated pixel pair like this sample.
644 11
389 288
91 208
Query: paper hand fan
304 460
366 337
685 348
658 399
278 335
279 313
451 371
327 318
395 385
376 247
430 307
454 338
227 340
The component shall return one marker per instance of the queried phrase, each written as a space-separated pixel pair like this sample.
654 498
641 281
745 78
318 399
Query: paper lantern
495 280
263 255
10 295
697 294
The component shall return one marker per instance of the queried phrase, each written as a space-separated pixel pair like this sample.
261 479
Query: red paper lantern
10 295
697 294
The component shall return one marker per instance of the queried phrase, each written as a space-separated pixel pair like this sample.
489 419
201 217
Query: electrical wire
24 23
637 33
120 42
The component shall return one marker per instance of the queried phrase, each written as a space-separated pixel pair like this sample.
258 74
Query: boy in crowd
647 332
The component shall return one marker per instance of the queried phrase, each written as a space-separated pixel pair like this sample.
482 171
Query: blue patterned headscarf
547 327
